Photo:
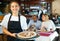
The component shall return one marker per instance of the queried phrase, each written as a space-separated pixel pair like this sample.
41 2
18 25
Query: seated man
34 22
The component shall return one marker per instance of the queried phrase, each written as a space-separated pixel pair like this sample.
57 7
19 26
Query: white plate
26 34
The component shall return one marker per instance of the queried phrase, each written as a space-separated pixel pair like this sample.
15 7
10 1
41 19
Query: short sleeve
23 22
5 20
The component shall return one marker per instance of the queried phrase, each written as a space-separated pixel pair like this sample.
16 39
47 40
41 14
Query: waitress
13 22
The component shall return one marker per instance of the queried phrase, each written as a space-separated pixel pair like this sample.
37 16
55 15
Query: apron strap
10 17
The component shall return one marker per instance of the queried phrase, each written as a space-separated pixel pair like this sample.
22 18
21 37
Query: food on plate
27 34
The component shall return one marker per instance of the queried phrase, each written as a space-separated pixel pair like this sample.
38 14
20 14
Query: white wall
56 6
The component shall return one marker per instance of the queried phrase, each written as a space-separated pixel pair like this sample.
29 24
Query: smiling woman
9 6
13 22
47 24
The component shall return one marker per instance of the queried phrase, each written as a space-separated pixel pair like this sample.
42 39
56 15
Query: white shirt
49 25
14 18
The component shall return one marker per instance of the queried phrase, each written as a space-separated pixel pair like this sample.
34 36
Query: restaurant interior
28 8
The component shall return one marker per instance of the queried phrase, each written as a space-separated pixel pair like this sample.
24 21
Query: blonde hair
6 9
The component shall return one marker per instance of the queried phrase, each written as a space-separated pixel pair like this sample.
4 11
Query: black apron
14 27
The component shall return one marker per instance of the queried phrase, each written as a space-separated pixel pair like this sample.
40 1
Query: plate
26 34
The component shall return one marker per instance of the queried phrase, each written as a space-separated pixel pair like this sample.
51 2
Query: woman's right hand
43 29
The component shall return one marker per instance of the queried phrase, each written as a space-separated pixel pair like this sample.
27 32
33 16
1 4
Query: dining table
43 37
47 37
50 37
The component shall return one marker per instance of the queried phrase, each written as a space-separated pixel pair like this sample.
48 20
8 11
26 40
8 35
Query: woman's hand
5 31
13 34
43 29
51 30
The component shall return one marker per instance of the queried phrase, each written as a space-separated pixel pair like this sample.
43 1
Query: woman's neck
46 20
15 14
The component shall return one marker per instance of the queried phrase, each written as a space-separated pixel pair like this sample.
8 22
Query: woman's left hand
13 34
